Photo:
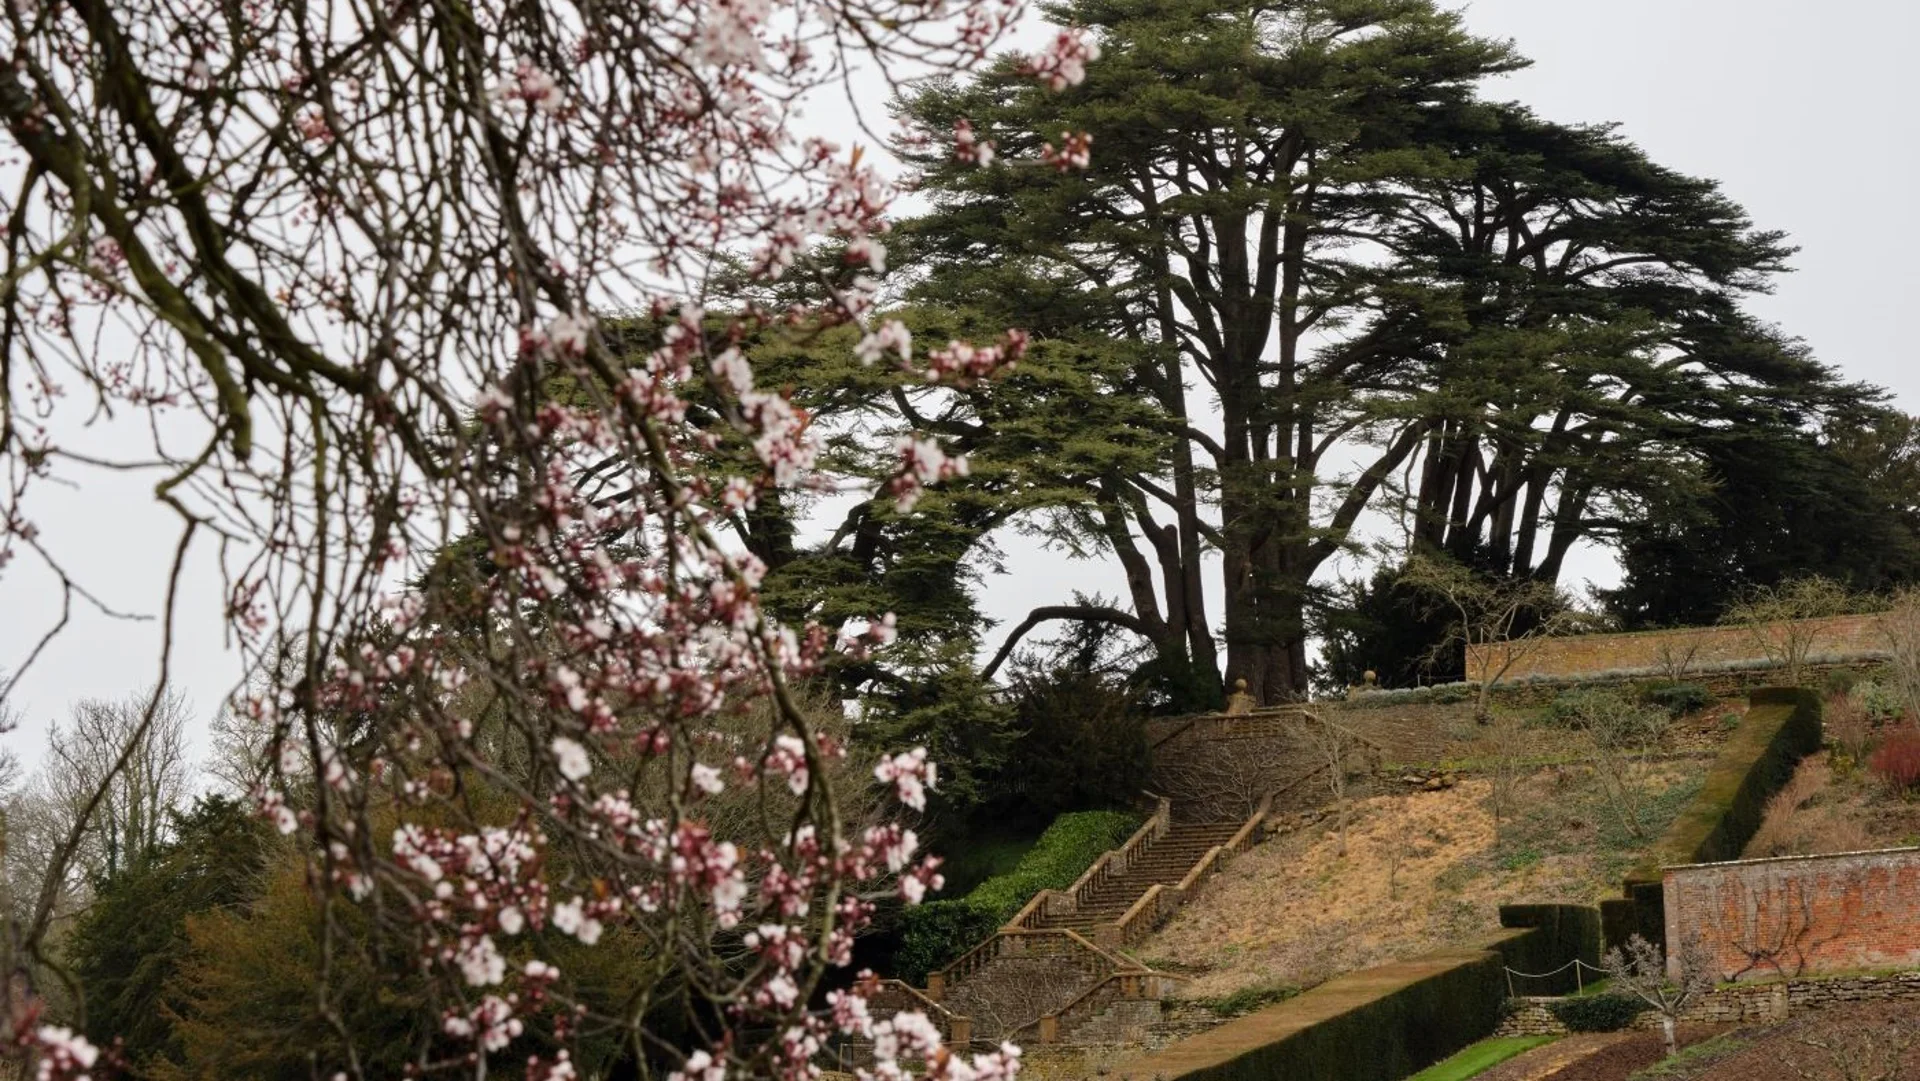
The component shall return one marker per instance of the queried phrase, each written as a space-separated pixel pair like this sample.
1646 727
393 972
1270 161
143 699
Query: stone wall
1531 1017
1800 915
1219 767
1702 649
1745 1003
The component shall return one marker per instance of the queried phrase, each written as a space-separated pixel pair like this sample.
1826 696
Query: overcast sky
1803 111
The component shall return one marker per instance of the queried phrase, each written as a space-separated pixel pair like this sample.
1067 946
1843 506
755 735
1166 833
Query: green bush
1081 744
1678 699
1841 681
934 934
1570 707
1598 1013
1605 711
1879 701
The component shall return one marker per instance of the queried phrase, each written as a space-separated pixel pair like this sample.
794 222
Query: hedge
1607 1012
1678 699
1781 727
1566 933
1378 1025
935 934
1400 1031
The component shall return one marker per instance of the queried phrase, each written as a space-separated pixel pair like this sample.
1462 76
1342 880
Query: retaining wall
1745 1003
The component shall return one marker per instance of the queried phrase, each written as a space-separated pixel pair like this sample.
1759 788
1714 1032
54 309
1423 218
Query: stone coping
1913 850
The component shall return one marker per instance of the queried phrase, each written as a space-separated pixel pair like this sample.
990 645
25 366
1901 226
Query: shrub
1571 708
1080 744
934 934
1849 730
1248 999
1841 682
1605 1012
1678 699
1897 761
1878 701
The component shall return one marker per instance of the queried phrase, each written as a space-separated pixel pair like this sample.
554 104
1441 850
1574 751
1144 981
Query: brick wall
1649 651
1763 919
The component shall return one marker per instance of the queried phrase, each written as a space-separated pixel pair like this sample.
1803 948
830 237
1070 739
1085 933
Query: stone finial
1371 677
1240 701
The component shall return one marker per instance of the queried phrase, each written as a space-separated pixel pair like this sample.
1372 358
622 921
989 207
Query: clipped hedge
1565 933
934 934
1381 1024
1782 727
1397 1032
1606 1012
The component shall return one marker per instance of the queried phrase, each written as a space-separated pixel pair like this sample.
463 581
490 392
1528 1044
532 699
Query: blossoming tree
347 265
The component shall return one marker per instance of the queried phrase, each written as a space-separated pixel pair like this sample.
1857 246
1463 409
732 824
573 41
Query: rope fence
1580 969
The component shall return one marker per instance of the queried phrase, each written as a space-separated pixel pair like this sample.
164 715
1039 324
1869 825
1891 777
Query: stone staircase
1164 861
1057 967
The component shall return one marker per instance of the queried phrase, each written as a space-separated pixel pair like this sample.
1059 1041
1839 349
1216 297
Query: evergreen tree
1518 335
129 945
1782 507
1211 230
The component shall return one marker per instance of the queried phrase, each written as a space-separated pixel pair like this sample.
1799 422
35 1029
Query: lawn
1481 1057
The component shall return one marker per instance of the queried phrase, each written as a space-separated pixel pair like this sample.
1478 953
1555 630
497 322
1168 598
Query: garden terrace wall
1703 648
1218 767
1381 1024
1799 915
1742 1003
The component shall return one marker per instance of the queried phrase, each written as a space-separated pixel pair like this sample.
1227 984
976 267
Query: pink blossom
1064 62
911 775
968 148
64 1055
891 337
700 1066
571 758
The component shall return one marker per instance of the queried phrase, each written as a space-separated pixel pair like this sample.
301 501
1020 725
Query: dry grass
1802 819
1421 872
1831 805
